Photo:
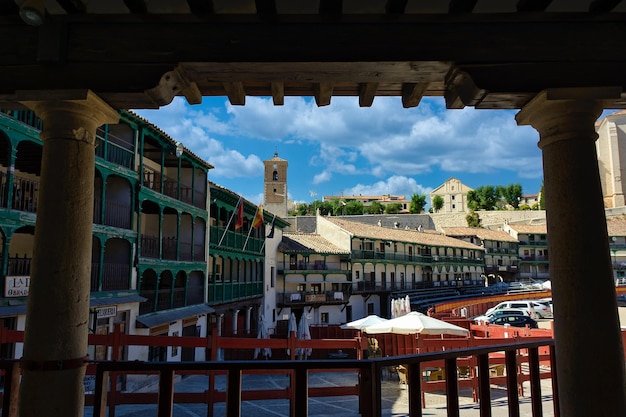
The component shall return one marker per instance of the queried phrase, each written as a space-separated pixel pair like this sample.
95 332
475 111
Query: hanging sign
16 286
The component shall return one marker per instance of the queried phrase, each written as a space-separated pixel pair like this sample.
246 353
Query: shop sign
104 312
16 286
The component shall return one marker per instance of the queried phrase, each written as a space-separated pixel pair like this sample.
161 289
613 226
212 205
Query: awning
9 311
109 301
168 316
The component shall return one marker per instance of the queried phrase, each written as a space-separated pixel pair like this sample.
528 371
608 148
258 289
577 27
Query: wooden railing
473 367
368 388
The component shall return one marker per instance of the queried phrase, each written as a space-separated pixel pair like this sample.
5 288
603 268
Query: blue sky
343 149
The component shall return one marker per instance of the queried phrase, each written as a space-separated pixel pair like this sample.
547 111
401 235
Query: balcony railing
235 240
25 194
117 214
150 247
19 266
309 297
114 149
403 257
152 179
311 266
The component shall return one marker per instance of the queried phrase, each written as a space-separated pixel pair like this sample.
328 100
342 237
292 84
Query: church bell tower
275 186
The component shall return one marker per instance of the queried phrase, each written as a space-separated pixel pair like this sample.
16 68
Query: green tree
512 193
353 207
437 203
473 219
302 209
524 207
482 198
374 208
418 201
542 202
393 208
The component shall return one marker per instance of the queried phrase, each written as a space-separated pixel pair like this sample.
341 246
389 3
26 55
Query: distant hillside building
454 194
530 199
367 200
611 150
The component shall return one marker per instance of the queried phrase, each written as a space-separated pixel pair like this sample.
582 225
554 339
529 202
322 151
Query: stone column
57 318
589 351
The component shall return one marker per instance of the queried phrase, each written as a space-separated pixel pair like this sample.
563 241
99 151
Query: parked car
534 308
501 312
515 321
548 302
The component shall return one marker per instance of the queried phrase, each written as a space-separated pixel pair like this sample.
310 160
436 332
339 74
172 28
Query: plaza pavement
394 399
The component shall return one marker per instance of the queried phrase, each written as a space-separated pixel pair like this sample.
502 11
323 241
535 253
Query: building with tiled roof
367 200
314 274
533 249
348 269
454 194
387 260
501 250
611 152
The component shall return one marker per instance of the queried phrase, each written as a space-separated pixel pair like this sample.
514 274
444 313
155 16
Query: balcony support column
235 315
57 317
589 351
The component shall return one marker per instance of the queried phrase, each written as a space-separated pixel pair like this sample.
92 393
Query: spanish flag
258 218
239 221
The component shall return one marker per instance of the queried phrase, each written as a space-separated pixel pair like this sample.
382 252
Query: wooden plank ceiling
482 53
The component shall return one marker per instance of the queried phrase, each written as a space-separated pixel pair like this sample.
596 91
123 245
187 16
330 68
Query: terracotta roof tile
400 235
481 233
309 243
539 229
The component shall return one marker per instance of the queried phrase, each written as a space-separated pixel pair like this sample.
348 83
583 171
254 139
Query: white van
534 308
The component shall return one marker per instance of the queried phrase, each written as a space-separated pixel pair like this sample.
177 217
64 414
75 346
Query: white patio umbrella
401 309
262 334
394 308
415 322
292 327
304 333
360 324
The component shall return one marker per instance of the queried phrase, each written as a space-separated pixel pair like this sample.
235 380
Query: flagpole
230 220
250 231
271 235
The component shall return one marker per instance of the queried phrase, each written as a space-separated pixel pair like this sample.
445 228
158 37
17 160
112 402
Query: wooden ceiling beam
266 7
396 6
461 6
412 94
603 6
323 93
73 6
136 6
532 5
201 7
278 93
236 93
331 7
367 92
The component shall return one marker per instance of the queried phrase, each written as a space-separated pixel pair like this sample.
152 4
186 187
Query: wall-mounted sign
104 312
16 286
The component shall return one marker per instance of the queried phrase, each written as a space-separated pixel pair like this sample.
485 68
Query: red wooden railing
484 359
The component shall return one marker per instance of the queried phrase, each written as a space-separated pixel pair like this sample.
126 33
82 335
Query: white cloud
395 185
